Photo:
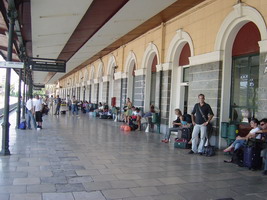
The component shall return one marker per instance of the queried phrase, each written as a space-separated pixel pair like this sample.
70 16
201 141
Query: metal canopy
83 31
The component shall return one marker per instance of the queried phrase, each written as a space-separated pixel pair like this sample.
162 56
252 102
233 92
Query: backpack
22 125
187 118
209 151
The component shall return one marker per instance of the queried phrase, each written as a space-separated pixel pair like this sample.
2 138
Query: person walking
38 111
74 106
30 113
201 117
51 104
58 104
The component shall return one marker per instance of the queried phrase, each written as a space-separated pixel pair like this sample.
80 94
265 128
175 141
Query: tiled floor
83 158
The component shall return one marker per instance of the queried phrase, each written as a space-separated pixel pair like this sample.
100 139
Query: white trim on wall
240 15
206 58
147 60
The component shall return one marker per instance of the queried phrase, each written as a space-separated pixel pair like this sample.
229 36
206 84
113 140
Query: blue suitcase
252 158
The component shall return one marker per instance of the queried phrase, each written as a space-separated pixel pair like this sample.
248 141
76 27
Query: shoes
200 153
191 152
264 172
165 141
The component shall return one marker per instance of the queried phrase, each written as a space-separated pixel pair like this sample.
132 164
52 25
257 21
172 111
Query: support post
5 124
19 100
30 84
24 95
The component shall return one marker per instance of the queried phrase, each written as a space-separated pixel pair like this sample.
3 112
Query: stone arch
179 40
235 20
92 71
111 63
100 70
110 72
176 46
130 63
150 52
100 80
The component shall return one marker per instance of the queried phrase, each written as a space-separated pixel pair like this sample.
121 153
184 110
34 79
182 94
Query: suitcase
252 158
186 133
181 143
22 125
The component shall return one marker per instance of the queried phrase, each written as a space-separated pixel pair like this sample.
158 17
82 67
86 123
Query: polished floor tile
91 159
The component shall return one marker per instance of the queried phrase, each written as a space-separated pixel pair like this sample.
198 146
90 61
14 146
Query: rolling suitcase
252 158
181 143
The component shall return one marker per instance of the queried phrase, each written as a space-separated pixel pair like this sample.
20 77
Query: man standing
51 104
30 113
38 111
263 132
74 106
69 102
201 117
58 104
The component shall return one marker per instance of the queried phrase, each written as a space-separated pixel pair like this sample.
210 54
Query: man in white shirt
38 105
30 113
51 104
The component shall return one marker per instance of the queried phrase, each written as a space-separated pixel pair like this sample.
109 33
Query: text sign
7 64
48 65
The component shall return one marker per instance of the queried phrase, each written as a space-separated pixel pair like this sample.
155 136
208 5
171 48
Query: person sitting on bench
240 141
176 125
137 116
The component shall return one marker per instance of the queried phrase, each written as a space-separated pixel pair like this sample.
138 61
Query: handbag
209 151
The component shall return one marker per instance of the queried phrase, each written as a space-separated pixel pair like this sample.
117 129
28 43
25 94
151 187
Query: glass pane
186 74
245 82
153 89
240 82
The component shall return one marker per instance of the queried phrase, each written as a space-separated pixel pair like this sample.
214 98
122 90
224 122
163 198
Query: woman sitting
240 141
136 116
176 125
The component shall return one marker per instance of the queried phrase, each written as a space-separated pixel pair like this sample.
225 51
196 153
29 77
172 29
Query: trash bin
232 131
155 118
224 129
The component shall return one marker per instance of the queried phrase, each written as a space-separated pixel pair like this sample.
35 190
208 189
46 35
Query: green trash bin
155 118
232 131
224 129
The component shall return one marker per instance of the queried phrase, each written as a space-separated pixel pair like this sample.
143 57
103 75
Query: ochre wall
202 23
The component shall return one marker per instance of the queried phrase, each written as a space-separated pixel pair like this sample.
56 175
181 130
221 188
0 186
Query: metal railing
11 108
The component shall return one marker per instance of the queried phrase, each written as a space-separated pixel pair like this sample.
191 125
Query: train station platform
86 158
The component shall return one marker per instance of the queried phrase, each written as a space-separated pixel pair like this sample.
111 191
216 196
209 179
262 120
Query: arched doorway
111 70
150 61
245 72
130 64
180 49
153 81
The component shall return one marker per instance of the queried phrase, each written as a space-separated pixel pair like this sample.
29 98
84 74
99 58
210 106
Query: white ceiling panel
133 14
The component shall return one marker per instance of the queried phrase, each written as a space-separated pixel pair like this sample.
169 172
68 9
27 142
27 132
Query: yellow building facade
199 51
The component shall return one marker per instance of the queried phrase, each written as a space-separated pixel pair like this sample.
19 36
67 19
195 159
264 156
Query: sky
14 76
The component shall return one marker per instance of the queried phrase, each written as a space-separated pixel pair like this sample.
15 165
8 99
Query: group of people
34 110
132 115
258 132
201 116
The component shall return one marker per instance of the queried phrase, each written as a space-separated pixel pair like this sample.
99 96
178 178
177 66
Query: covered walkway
83 158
